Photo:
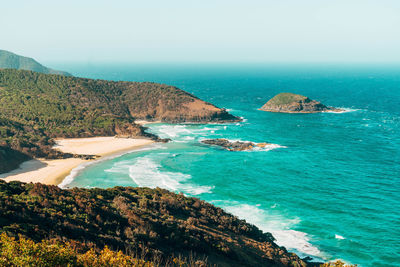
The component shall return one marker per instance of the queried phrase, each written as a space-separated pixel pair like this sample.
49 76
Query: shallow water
329 188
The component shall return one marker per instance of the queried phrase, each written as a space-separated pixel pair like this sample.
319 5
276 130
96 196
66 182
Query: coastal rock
294 103
234 145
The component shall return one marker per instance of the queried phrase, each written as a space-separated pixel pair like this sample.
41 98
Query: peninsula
37 108
294 103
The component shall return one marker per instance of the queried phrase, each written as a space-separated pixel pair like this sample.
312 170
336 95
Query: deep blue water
330 190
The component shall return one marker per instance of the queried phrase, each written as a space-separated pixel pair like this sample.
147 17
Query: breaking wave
277 225
146 173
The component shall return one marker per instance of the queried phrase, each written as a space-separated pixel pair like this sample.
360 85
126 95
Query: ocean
328 187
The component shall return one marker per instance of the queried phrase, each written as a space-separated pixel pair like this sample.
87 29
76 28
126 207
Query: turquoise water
328 188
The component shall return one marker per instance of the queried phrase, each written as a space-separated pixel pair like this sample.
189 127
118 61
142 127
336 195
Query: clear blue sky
206 30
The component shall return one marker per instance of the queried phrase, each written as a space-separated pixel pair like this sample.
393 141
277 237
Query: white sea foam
184 133
343 110
75 172
146 173
266 148
173 131
277 225
120 167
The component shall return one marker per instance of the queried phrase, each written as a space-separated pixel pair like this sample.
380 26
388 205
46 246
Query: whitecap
342 110
339 237
268 147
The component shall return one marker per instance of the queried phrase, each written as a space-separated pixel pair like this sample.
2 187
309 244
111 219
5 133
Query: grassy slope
285 98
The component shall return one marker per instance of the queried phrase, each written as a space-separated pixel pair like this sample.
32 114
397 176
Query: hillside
10 60
294 103
137 219
35 108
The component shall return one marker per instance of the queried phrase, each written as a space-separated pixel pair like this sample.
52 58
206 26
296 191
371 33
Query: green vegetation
154 223
47 253
10 60
35 108
286 98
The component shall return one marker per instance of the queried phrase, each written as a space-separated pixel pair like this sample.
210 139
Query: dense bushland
137 221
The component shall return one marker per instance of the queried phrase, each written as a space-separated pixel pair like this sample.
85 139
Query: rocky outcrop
293 103
234 145
160 102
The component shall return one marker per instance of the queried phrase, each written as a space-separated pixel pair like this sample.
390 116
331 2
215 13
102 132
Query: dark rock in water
233 146
293 103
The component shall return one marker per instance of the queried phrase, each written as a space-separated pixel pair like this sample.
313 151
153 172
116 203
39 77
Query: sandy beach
143 122
54 171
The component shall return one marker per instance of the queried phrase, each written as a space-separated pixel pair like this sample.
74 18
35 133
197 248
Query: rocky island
294 103
234 145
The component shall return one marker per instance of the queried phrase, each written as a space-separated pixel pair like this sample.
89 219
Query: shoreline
144 122
53 172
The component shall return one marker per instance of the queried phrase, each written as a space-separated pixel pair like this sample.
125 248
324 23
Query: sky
202 31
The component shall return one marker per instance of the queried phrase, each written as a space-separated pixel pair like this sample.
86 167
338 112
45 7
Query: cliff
293 103
10 60
137 220
35 108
